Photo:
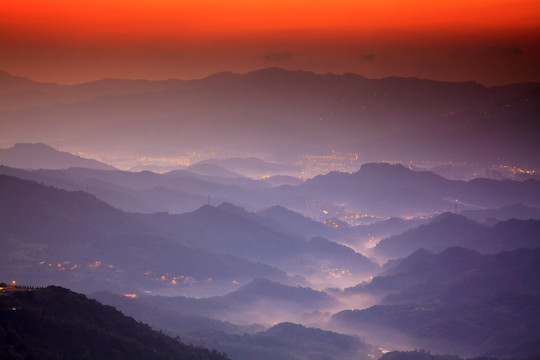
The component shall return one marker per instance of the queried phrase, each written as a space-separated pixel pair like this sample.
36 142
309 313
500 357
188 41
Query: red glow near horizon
86 40
205 18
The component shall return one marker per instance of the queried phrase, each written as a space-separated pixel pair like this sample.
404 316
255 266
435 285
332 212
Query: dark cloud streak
369 57
506 50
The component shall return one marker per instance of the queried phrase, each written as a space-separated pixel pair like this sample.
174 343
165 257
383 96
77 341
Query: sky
493 42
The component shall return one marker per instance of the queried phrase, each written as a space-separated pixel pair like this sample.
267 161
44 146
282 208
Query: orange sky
492 41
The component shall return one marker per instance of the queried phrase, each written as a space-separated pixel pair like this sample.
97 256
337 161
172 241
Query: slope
53 323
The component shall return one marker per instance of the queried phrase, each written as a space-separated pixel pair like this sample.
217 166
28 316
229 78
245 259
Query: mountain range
449 229
41 156
241 306
458 301
305 113
456 274
379 190
285 340
212 247
72 238
493 326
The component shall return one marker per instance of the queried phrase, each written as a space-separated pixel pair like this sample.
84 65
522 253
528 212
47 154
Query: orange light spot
130 295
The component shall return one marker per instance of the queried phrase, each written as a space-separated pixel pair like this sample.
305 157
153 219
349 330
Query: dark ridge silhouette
443 231
456 274
55 323
448 229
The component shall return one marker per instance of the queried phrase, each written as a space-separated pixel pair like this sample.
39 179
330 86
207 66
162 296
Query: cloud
368 57
278 56
505 50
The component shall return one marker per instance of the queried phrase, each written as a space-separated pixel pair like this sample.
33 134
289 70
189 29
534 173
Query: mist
313 216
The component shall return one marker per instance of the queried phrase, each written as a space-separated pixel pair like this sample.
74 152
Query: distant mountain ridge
41 156
257 110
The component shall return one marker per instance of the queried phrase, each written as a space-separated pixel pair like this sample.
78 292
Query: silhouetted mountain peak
41 156
230 207
453 218
392 171
420 254
383 169
261 289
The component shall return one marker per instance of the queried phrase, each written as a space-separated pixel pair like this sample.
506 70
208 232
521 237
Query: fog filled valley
291 239
250 274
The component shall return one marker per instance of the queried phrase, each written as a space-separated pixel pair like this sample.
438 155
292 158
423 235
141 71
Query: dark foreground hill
55 323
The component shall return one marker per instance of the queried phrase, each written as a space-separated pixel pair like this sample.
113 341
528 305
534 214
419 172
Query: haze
270 180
